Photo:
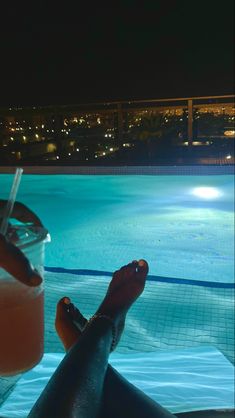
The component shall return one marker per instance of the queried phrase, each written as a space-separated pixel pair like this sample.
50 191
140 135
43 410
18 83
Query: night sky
128 50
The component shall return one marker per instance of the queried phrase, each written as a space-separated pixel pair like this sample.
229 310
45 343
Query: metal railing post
58 135
120 123
190 122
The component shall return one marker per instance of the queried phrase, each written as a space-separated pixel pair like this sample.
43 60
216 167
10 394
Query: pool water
184 227
103 222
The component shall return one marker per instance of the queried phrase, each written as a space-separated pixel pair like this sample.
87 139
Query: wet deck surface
207 414
6 387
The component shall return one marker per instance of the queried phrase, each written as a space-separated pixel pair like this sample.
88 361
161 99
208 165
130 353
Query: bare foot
125 287
14 262
69 322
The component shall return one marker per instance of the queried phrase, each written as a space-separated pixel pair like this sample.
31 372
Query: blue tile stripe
82 272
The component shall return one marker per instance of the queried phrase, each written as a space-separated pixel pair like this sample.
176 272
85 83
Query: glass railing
178 130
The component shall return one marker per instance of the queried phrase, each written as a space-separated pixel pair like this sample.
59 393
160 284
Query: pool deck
124 170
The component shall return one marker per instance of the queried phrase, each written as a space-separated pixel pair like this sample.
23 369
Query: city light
229 133
99 134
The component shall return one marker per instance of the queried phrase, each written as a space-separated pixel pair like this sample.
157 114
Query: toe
79 320
128 270
62 309
66 329
142 270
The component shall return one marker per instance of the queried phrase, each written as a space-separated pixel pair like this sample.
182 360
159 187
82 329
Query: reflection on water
102 222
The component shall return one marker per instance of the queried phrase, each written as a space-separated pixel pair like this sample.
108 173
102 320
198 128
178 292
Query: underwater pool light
207 192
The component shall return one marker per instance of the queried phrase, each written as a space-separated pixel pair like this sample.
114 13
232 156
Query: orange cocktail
21 327
22 310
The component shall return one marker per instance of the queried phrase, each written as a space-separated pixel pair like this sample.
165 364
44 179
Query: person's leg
76 388
120 398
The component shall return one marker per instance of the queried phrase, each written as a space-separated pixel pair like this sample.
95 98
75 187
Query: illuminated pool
183 226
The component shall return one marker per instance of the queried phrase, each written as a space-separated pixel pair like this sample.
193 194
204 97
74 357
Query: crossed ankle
110 320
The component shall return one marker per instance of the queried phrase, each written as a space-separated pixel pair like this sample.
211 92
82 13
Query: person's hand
15 263
11 257
21 212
